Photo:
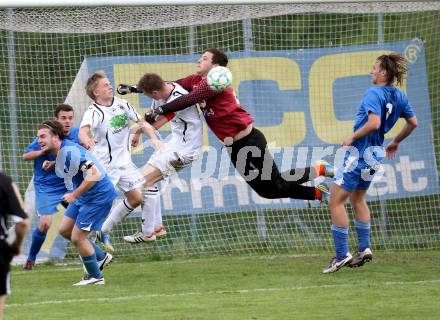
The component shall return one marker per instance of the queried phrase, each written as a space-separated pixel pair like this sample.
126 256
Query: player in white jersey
181 148
105 130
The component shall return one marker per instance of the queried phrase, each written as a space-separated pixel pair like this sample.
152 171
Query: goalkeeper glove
123 89
151 116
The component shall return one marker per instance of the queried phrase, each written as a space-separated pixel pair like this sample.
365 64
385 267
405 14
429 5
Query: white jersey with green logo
110 129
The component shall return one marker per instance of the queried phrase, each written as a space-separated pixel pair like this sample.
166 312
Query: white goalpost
300 68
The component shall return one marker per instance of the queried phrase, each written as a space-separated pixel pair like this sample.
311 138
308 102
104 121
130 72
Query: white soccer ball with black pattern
219 78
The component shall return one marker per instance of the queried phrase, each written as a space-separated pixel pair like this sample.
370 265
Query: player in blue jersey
89 194
49 189
380 108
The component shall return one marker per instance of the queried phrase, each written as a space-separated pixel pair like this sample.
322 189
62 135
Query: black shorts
5 260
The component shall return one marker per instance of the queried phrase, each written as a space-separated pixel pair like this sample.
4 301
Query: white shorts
169 161
126 178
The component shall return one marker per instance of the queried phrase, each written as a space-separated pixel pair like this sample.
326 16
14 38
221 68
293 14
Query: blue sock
100 254
105 237
363 234
340 238
92 266
38 238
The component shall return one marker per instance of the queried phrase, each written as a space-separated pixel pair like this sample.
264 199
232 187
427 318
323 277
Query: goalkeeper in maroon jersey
233 125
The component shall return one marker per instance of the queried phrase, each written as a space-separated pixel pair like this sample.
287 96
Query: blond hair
92 83
395 65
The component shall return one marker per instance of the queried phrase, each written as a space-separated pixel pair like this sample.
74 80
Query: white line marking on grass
394 283
21 273
200 293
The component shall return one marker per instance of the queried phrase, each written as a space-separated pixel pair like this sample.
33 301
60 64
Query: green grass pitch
395 285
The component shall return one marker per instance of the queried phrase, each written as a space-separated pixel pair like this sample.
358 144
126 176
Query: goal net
300 69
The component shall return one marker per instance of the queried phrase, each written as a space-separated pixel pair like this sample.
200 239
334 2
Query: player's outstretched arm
33 151
32 155
201 93
149 131
160 122
157 121
84 136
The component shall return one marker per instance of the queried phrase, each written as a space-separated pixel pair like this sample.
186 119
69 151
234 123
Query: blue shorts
46 202
89 216
355 174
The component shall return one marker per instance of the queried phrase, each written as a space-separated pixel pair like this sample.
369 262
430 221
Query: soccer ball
219 78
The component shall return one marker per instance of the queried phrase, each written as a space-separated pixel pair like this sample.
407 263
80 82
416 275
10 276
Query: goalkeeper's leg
301 175
259 170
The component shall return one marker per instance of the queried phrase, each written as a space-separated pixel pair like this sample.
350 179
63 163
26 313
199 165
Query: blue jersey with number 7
390 104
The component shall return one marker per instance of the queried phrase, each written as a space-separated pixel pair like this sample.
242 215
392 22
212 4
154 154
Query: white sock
119 212
158 213
149 209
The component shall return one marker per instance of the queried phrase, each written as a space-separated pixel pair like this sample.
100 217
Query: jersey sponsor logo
118 122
